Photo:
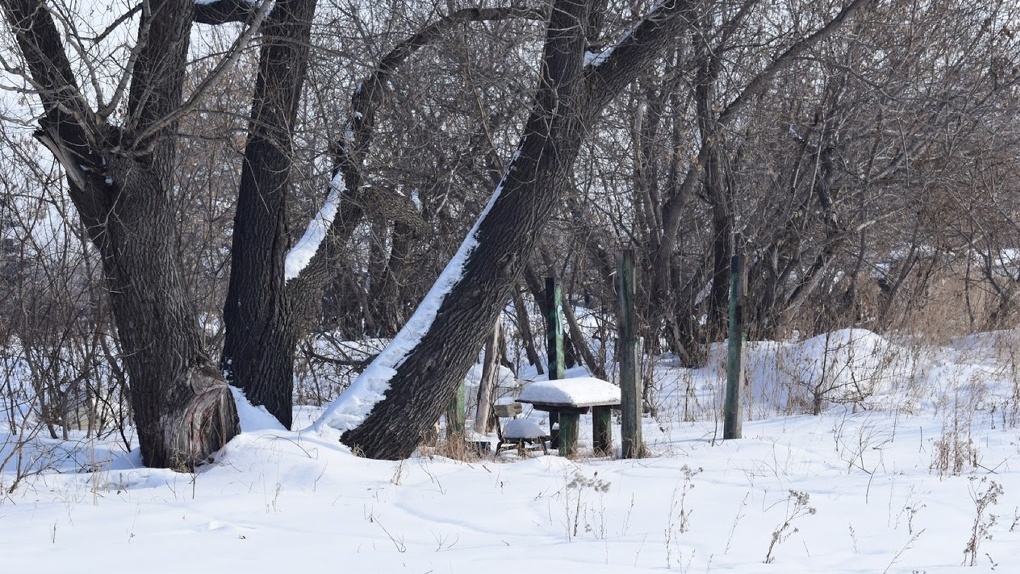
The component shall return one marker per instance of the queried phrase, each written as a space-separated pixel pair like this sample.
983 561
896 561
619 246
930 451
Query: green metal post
569 423
602 419
554 343
455 414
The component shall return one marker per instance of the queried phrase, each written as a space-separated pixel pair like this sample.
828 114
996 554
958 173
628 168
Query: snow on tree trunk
404 391
259 344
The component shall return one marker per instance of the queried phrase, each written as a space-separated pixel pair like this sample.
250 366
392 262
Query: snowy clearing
919 476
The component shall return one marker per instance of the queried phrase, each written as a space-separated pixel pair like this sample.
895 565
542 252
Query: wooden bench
567 400
522 432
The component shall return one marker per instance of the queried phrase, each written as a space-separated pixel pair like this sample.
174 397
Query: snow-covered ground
913 465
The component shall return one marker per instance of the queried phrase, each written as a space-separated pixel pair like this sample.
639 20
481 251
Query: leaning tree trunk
569 99
265 313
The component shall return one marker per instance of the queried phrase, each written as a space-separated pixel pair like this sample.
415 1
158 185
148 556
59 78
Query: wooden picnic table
571 398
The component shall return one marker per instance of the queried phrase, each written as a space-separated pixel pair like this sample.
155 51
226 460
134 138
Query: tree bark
351 152
264 313
260 341
120 180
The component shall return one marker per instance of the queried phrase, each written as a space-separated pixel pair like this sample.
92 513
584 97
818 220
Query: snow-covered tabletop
572 393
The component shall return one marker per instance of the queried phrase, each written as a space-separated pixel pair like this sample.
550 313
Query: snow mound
523 428
253 418
850 365
580 392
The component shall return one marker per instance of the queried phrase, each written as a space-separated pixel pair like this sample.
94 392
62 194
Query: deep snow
870 485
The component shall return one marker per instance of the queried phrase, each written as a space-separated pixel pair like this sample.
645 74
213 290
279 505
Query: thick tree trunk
260 341
120 181
183 409
423 383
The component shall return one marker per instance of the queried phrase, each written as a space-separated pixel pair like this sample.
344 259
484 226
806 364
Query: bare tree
418 381
120 177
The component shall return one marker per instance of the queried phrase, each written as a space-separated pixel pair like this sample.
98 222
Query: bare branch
223 11
226 63
349 153
758 83
68 123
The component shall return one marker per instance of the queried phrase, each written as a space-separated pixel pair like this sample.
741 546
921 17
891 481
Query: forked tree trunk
120 179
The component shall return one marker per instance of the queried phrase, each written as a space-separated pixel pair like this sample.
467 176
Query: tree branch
758 83
226 63
350 152
618 65
69 127
223 11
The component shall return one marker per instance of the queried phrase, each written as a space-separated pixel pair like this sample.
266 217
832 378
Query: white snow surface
856 490
253 418
351 407
579 392
301 254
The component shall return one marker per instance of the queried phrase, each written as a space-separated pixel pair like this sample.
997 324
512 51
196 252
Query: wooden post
455 414
630 382
554 343
602 418
490 377
734 365
554 326
524 326
569 423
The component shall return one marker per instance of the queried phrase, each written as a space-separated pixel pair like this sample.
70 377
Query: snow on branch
596 59
303 251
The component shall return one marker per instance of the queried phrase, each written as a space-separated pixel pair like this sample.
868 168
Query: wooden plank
558 408
507 411
630 382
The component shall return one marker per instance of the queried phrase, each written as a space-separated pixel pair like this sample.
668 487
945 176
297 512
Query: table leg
568 433
602 428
